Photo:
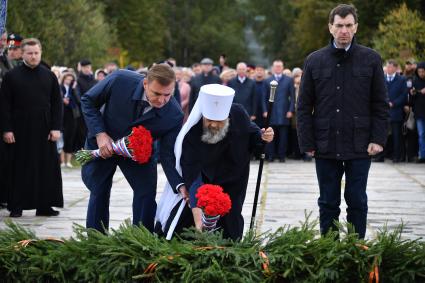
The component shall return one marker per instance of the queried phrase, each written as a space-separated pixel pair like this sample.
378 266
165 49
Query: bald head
241 69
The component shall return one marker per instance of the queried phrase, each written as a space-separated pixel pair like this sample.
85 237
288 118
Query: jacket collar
138 91
340 51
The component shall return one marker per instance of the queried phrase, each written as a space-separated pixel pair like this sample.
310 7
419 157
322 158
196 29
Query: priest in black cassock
214 147
32 114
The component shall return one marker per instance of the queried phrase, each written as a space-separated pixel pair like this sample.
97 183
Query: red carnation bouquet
137 146
214 203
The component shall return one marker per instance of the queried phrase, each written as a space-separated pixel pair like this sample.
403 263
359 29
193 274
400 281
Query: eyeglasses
340 26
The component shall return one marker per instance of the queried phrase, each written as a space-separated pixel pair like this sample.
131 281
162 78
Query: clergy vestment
31 108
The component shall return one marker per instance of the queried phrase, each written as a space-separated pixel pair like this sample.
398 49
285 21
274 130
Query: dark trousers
397 138
295 149
279 145
411 144
97 176
329 174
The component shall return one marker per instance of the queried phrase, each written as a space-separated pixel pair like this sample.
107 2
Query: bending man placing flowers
130 100
213 147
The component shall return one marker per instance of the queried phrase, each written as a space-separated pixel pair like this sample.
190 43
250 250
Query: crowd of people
46 118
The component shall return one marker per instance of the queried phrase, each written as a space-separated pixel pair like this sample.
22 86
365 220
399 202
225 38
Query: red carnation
140 143
213 200
137 146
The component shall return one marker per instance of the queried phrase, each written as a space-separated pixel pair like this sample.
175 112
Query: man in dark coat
85 81
5 66
283 110
245 91
260 76
217 140
205 77
342 118
130 99
32 117
418 95
397 95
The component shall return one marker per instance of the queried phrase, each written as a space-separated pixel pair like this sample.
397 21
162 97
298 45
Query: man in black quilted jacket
343 118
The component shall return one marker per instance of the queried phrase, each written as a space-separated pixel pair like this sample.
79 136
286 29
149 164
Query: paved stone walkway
289 190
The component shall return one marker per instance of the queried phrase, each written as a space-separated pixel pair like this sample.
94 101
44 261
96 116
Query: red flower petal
140 143
213 200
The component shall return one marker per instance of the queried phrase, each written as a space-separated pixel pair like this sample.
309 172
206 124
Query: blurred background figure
14 52
184 89
85 81
5 66
71 114
110 67
205 77
283 109
411 135
196 69
418 95
260 76
99 75
245 92
227 75
222 63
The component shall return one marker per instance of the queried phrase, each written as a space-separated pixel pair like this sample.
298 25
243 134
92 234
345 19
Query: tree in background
68 30
145 31
290 30
371 14
149 31
141 29
205 29
311 30
273 24
401 35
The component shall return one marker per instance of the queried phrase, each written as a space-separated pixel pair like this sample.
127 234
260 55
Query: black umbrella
273 86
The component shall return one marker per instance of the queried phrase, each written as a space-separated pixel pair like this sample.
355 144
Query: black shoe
421 160
270 159
396 160
15 213
282 160
378 160
46 212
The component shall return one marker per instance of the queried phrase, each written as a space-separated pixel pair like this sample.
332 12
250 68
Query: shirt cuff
178 187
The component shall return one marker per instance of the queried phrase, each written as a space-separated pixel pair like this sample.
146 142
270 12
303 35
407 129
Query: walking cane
273 86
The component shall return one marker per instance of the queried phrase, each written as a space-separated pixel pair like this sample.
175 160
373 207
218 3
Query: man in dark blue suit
397 94
130 99
245 91
283 109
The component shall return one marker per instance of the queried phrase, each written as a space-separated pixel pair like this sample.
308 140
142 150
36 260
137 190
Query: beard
212 137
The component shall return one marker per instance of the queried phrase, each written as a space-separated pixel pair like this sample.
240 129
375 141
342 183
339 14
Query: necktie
143 104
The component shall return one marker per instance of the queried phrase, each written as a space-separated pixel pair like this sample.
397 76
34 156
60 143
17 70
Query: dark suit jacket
122 92
397 94
245 94
284 100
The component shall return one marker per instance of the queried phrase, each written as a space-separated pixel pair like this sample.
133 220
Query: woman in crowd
70 115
